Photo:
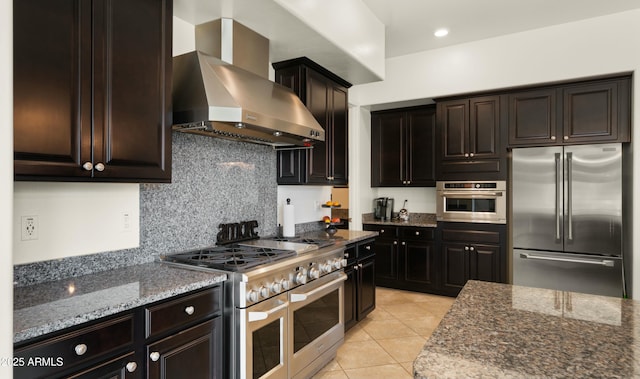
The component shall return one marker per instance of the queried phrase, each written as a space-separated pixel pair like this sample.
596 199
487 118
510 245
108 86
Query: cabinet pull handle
88 166
189 310
154 356
131 366
80 349
100 167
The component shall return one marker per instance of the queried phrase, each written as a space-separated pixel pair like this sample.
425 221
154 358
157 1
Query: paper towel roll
288 220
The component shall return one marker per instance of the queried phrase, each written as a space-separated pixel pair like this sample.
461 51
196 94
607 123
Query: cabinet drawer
74 348
365 249
417 233
473 236
384 231
182 311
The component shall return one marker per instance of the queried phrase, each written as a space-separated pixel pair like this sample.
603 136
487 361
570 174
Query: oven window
314 319
266 348
470 205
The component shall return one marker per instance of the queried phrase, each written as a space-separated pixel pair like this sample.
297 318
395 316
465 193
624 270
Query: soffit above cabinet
342 36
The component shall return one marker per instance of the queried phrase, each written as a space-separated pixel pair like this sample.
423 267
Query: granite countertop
51 306
503 331
342 236
426 220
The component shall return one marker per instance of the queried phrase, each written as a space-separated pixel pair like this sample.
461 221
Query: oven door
472 206
316 324
263 339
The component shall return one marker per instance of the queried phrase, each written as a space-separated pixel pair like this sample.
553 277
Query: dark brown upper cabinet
470 140
596 111
92 90
325 95
403 147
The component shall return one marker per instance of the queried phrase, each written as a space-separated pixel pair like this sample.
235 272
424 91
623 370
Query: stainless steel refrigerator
567 218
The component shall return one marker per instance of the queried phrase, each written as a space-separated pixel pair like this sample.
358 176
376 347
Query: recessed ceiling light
441 32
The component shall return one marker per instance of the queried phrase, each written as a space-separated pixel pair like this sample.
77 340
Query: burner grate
234 258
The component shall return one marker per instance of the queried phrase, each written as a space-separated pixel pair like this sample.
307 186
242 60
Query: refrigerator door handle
599 262
570 194
558 194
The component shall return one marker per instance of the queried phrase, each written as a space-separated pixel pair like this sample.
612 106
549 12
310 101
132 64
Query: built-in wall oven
472 201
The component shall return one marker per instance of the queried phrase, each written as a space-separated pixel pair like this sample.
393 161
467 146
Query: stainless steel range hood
218 98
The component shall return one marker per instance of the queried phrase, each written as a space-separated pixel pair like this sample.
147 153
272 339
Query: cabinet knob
154 356
131 366
100 167
471 155
88 166
466 248
472 248
80 349
417 233
466 155
189 310
368 247
355 267
553 138
565 138
360 265
408 181
381 231
395 242
403 243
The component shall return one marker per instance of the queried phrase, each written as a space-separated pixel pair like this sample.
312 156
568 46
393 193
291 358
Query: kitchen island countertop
503 331
52 306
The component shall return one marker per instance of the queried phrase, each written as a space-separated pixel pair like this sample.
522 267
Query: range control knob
314 273
264 292
275 287
252 296
285 284
328 267
300 278
337 263
344 263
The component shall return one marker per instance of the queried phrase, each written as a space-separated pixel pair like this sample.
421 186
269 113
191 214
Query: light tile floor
385 344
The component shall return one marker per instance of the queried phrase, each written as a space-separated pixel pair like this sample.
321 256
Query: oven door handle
298 297
474 195
257 316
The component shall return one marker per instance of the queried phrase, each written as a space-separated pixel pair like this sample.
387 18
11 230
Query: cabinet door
291 166
192 353
418 263
51 87
124 367
350 296
591 112
291 78
317 103
387 152
533 118
455 267
366 287
387 260
484 127
484 263
339 134
454 121
421 138
132 83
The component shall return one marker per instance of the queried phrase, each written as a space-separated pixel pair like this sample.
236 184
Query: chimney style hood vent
218 98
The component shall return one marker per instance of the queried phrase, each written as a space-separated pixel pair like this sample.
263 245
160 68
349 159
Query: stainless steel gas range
283 310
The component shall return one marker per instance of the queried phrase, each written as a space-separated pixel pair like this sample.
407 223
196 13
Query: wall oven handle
471 193
297 297
257 316
599 262
558 194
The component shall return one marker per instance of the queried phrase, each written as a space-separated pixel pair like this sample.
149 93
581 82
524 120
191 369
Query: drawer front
365 249
384 231
182 311
472 236
72 349
417 233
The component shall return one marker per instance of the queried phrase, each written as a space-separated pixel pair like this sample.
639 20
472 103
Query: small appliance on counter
383 208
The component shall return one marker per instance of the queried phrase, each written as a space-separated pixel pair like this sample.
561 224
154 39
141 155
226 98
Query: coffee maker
383 208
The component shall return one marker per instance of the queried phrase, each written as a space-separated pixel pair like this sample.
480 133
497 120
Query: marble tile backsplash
214 181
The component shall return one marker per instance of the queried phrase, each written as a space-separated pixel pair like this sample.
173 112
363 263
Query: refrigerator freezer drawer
598 275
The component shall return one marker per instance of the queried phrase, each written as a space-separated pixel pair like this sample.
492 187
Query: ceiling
409 24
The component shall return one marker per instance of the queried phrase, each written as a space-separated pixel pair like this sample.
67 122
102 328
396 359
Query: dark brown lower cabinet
189 354
160 340
360 286
471 251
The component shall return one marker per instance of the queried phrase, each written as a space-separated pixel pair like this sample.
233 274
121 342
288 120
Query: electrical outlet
126 221
29 228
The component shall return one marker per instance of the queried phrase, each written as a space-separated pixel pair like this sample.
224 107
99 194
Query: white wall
593 47
307 202
6 185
